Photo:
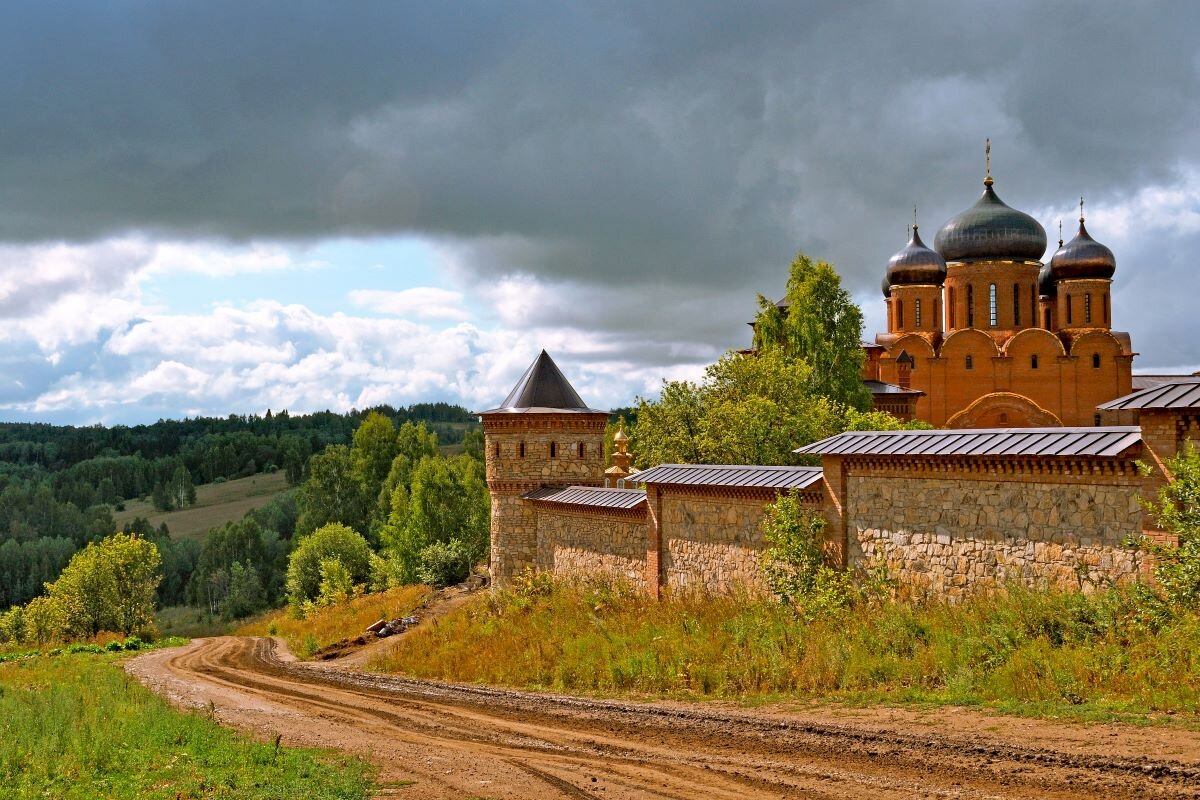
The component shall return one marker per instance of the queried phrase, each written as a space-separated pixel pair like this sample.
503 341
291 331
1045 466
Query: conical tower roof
543 389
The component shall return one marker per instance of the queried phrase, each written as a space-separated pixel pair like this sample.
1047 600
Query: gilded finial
987 151
1081 209
914 218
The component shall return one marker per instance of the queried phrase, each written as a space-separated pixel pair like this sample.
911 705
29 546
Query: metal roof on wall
595 496
1108 441
1180 394
749 477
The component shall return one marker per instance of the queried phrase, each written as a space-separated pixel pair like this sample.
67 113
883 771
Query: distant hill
216 504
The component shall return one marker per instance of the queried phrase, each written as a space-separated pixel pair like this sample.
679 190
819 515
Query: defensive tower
541 435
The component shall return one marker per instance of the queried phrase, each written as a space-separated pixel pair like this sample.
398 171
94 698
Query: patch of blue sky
321 277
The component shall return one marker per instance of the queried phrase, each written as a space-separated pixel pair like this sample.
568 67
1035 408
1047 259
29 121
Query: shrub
1177 569
330 542
444 563
797 569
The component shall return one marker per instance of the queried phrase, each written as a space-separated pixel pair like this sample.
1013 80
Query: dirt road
456 742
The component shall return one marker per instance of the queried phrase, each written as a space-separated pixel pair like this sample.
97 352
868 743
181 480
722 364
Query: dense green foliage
333 555
749 409
803 382
76 727
1177 569
60 484
107 586
819 325
1101 656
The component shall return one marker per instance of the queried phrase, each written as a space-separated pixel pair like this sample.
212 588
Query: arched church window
992 305
1016 304
1033 361
899 313
1095 361
917 312
970 362
1068 309
970 306
1087 307
1047 326
950 308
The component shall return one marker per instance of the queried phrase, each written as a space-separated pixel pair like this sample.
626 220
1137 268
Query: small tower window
917 312
553 449
970 361
496 450
1087 307
899 314
1033 361
992 305
582 449
521 450
950 308
1068 309
970 306
1095 361
1016 305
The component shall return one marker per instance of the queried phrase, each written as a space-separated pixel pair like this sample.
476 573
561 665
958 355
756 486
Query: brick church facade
990 335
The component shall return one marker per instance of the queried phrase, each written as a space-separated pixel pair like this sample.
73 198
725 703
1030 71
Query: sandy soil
457 741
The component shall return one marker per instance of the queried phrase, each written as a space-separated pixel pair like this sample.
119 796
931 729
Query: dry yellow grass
329 625
216 504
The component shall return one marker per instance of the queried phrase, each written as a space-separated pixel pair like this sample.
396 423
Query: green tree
329 542
1177 568
107 586
821 325
375 446
333 492
448 501
245 594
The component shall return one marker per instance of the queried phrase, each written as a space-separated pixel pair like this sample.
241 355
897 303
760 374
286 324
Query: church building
990 335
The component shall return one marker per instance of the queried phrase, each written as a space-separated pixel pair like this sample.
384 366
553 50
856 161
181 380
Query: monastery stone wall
950 536
578 541
712 542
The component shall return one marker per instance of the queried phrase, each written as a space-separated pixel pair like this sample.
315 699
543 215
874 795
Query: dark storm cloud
674 149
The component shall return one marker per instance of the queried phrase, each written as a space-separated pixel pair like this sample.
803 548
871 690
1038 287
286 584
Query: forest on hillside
59 485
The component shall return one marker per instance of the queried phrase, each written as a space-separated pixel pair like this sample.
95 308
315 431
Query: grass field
189 622
216 504
1040 654
329 625
75 727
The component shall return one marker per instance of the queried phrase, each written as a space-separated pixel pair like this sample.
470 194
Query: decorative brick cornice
813 496
637 514
512 423
1048 469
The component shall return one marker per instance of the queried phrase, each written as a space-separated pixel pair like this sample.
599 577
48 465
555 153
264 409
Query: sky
215 208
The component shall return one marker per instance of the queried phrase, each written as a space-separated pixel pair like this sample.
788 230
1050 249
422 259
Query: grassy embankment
326 626
1030 653
216 504
75 726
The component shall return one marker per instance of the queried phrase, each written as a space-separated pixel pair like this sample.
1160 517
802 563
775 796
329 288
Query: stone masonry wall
949 536
574 541
712 542
515 548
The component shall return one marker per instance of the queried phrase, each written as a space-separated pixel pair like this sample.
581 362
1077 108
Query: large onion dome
916 264
991 230
1083 258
